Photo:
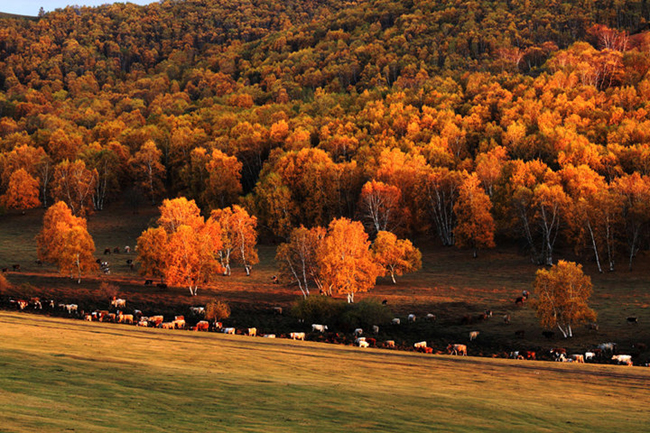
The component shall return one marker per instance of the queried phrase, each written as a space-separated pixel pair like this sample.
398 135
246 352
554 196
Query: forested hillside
457 120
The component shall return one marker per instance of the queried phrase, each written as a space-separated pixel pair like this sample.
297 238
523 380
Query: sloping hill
58 375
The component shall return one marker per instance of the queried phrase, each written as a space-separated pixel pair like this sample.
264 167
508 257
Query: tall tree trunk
78 270
594 246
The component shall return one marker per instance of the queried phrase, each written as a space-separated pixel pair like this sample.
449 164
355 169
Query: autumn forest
321 126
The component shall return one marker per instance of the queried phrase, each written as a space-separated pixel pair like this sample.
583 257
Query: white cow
473 335
297 336
252 332
411 318
420 345
375 329
607 346
197 310
118 303
320 328
364 344
358 332
395 321
623 359
230 331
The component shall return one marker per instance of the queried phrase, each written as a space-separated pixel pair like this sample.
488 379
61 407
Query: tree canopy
305 112
561 295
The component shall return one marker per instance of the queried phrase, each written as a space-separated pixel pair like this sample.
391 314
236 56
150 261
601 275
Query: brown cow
457 349
203 325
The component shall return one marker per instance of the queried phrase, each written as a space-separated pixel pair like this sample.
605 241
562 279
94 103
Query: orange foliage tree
597 212
272 202
239 237
74 184
298 258
22 191
148 170
223 183
379 205
634 191
346 264
561 296
65 241
151 249
183 249
395 256
440 187
475 225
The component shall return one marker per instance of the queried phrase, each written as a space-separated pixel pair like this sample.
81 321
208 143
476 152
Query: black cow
632 321
148 282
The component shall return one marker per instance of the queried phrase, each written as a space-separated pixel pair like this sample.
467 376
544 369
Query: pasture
63 375
450 285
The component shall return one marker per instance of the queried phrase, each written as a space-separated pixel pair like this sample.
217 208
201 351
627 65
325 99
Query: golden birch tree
561 297
395 256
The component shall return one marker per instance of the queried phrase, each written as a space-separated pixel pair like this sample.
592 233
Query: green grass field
62 375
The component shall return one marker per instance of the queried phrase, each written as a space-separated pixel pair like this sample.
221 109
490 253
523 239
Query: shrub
108 290
365 314
318 309
217 310
338 313
4 284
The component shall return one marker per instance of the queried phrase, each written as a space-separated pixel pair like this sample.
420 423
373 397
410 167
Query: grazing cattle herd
116 313
603 353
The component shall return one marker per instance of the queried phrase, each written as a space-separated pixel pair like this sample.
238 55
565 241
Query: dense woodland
461 121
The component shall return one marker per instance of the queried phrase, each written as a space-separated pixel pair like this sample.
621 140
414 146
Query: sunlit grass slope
61 375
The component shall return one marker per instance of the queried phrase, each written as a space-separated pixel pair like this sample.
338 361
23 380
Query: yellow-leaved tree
395 256
379 205
239 237
65 241
346 263
183 249
223 183
74 184
151 248
148 170
298 258
474 223
22 191
561 297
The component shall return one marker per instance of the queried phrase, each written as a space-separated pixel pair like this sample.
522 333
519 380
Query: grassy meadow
63 375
